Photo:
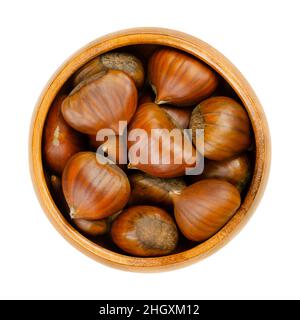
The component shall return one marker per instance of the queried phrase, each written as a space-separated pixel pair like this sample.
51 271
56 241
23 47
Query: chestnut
236 170
88 108
122 61
145 231
179 79
94 189
204 207
180 116
134 191
146 189
93 227
127 63
60 141
227 128
173 158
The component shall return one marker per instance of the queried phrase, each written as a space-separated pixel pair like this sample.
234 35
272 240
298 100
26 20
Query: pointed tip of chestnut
157 101
174 194
53 178
131 166
72 213
160 101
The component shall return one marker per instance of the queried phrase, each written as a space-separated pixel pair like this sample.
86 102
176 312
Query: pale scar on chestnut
156 234
56 134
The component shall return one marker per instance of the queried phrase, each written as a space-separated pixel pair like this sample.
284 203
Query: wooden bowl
151 37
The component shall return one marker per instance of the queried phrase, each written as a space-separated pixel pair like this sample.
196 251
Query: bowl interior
143 52
232 84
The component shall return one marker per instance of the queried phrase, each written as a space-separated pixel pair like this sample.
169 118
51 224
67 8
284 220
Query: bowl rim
199 49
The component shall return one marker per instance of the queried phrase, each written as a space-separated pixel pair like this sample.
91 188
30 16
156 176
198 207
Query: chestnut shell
122 61
150 116
204 207
180 116
227 128
178 78
94 190
145 231
146 189
93 227
60 141
235 170
88 108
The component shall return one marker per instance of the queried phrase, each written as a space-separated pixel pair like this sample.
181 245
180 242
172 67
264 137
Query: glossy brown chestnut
179 79
146 189
145 231
90 227
88 108
180 116
150 116
60 141
93 227
94 190
227 129
235 170
89 69
205 207
122 61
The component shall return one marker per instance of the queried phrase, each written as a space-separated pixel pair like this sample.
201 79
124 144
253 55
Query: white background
261 38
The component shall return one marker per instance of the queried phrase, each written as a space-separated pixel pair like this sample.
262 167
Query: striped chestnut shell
60 141
148 117
181 116
226 125
93 227
88 108
146 189
204 207
236 170
179 79
94 190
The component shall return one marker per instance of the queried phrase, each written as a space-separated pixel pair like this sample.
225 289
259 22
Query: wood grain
201 50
